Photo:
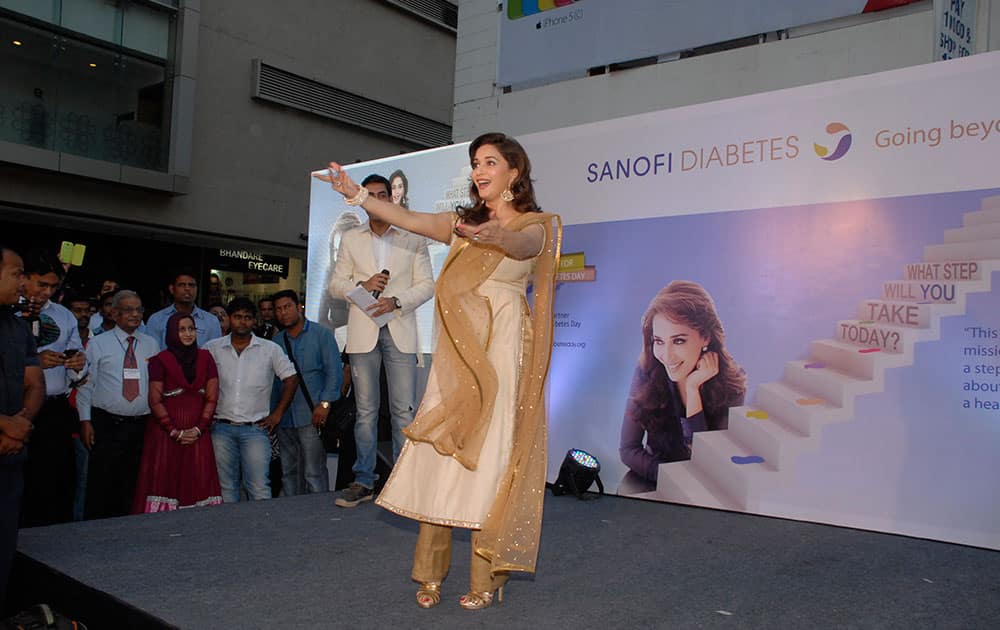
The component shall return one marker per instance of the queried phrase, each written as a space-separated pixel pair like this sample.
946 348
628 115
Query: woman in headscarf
178 464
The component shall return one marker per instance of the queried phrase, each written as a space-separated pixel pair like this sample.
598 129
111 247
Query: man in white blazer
365 253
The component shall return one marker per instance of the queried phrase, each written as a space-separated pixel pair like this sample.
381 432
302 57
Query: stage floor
301 562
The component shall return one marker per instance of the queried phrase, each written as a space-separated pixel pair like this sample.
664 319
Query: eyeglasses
128 310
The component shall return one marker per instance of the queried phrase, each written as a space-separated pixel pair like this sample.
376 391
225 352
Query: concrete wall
848 47
250 160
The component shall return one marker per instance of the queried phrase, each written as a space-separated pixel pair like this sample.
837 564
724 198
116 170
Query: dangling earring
507 195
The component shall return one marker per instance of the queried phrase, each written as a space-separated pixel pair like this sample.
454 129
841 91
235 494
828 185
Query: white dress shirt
382 247
106 359
246 378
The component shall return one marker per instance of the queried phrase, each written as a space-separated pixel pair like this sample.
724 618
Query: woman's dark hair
405 200
689 304
524 192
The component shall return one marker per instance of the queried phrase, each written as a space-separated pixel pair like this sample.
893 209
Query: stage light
16 42
578 472
92 65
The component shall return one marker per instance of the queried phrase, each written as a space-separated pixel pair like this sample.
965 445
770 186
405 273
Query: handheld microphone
376 292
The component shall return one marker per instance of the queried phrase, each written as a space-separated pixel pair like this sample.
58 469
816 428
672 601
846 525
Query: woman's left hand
706 369
339 180
489 233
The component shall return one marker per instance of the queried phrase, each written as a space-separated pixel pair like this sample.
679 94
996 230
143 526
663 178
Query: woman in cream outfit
475 453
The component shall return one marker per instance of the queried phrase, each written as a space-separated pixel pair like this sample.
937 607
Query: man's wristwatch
325 404
395 301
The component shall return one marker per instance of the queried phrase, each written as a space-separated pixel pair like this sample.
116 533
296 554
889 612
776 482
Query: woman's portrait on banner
685 382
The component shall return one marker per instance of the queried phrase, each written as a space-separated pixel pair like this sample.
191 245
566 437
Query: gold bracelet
359 198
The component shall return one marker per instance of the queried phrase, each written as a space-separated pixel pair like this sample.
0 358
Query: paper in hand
363 299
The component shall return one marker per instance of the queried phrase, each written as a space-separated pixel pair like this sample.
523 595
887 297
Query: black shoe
354 494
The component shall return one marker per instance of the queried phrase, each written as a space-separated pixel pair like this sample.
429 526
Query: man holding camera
50 472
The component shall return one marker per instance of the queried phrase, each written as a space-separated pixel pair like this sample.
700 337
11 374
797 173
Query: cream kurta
434 488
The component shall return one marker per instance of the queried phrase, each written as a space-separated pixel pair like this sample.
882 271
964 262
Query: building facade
168 132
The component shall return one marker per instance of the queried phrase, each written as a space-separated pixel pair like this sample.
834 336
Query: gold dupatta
457 426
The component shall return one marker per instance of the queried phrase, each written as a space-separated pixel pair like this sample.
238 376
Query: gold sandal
474 600
429 594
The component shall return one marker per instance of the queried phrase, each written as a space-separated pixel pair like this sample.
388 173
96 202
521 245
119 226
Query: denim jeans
245 448
401 377
303 461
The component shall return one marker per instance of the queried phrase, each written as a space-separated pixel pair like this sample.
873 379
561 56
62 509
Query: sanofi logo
843 145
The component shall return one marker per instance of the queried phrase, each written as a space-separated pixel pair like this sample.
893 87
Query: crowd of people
106 412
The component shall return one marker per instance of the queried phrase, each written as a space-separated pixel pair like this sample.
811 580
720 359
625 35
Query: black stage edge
35 582
301 562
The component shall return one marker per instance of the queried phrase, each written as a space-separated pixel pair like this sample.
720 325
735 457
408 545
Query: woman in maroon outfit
178 464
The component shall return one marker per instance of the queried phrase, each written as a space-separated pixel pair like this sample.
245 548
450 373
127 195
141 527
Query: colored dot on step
760 415
749 459
869 350
810 401
816 365
867 321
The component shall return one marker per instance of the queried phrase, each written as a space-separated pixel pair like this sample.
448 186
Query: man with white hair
114 406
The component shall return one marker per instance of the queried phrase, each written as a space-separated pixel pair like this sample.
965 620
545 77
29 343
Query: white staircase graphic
788 416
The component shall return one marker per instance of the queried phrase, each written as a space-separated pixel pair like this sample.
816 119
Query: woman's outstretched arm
437 226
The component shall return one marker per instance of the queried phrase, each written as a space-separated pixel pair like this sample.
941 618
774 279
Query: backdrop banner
779 304
550 40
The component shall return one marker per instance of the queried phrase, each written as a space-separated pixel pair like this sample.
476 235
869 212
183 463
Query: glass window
146 30
47 10
27 95
66 95
138 134
136 25
97 18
